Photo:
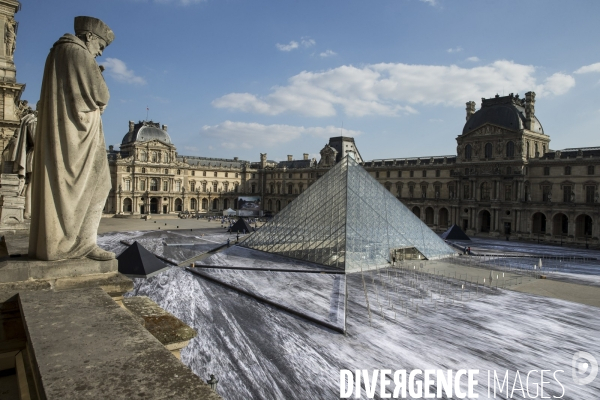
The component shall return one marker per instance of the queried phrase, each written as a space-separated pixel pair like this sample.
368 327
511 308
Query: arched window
143 170
488 150
178 205
510 149
178 172
128 169
270 205
204 204
468 151
154 184
127 205
272 188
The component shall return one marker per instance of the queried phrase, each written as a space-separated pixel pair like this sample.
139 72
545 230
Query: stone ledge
86 346
19 269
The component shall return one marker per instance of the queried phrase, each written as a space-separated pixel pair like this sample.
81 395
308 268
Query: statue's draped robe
70 176
22 155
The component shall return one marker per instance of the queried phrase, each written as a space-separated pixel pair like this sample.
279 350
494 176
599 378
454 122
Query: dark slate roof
145 131
294 164
398 162
506 111
212 162
137 262
585 152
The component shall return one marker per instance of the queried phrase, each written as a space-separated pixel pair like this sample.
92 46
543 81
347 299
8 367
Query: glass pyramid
348 220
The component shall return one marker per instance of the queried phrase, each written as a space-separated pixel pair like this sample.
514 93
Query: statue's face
95 45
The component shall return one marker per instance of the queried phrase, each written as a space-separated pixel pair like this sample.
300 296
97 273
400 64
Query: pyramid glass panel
348 220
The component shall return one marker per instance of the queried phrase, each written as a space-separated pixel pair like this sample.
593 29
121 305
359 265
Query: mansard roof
146 131
504 111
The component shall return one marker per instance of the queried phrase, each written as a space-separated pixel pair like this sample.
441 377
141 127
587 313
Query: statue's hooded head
91 28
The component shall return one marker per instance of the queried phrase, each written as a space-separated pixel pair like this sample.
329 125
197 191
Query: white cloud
556 85
287 47
392 89
455 50
118 70
182 2
430 2
307 42
328 53
473 59
588 68
247 135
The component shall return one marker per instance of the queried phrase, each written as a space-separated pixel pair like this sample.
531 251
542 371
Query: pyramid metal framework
347 220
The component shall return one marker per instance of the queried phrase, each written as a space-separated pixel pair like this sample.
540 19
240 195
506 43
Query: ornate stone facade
503 180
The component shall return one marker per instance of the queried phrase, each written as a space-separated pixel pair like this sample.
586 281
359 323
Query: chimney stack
470 109
131 126
529 109
290 157
306 156
165 127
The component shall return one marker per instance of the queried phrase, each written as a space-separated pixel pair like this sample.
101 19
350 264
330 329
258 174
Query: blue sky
241 77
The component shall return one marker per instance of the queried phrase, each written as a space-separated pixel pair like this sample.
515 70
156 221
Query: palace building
503 180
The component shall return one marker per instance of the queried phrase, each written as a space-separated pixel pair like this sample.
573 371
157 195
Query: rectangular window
399 174
451 191
215 174
424 191
253 188
412 174
388 174
300 175
236 175
142 185
127 185
546 171
411 191
466 192
193 186
507 192
590 170
226 174
165 186
590 194
203 173
437 173
546 194
567 170
424 174
437 191
466 171
193 173
567 194
377 174
290 176
204 186
178 186
253 177
215 186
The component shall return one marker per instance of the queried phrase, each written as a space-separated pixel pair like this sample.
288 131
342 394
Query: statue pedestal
23 272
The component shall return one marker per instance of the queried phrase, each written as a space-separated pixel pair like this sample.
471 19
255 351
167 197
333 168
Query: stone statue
70 176
10 37
22 156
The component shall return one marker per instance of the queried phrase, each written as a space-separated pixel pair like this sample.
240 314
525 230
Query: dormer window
468 151
510 149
